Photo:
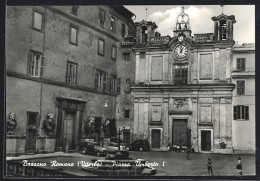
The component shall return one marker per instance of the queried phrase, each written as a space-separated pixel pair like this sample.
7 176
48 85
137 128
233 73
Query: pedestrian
188 153
209 165
239 166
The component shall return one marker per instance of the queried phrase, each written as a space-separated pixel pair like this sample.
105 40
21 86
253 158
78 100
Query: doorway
69 120
31 132
179 132
156 138
205 140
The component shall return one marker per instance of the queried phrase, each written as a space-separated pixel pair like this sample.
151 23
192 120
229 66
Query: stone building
243 76
183 90
62 78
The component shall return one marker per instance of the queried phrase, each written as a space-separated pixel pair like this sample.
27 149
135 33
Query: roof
245 47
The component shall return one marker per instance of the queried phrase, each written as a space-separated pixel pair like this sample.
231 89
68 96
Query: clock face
181 51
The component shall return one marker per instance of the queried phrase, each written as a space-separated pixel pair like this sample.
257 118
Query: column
216 121
216 64
194 124
137 67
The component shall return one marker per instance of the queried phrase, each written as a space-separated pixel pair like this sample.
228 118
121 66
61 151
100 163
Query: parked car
112 147
89 147
140 145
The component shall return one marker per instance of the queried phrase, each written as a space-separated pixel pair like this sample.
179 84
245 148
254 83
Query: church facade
183 91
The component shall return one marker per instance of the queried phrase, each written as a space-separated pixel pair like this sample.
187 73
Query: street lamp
119 133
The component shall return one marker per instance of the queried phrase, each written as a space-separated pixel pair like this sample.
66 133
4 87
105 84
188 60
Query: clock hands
181 49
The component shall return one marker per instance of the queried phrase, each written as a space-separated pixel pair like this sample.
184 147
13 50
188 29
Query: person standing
209 165
239 166
188 153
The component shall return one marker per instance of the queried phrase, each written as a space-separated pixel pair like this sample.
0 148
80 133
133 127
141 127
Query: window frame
33 20
101 24
239 111
77 33
113 28
103 53
99 81
125 57
241 87
74 82
40 64
123 30
113 84
114 48
241 64
182 68
125 114
74 12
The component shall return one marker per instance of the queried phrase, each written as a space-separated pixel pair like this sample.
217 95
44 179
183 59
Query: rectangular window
180 74
114 49
113 84
101 81
123 30
142 54
112 27
102 17
73 35
126 56
127 113
118 86
71 73
241 112
74 10
101 45
241 64
240 87
35 64
38 21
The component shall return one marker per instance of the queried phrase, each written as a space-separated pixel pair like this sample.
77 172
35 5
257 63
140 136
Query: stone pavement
166 163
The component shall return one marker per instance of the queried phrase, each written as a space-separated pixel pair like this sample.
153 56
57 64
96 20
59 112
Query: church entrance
179 132
156 138
205 140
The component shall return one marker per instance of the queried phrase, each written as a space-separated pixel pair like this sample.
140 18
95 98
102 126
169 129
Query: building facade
243 76
62 78
183 90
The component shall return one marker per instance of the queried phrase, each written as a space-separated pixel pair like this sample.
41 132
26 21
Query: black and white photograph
130 90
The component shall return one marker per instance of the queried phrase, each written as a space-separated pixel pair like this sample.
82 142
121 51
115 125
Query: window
102 17
101 44
118 86
241 112
223 27
71 73
241 64
101 81
123 30
180 74
142 54
74 10
127 113
35 64
126 56
240 87
128 86
73 35
113 55
112 26
38 21
113 84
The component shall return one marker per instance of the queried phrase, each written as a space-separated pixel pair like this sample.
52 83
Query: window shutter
238 64
29 66
104 81
42 66
118 86
243 87
67 74
246 112
243 66
96 80
235 112
238 88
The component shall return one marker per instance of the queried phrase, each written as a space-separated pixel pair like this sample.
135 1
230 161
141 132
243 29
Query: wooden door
205 140
68 131
180 132
156 138
31 132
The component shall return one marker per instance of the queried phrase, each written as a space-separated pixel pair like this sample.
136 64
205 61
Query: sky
165 17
